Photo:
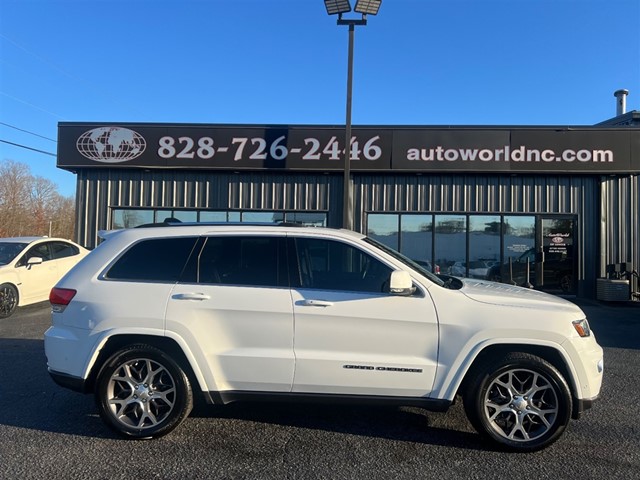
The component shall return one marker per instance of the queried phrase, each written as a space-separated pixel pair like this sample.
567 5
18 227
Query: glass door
556 258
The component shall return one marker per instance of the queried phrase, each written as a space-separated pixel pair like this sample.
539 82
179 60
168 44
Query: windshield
9 251
407 261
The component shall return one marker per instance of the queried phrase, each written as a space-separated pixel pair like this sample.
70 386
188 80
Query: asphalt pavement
49 432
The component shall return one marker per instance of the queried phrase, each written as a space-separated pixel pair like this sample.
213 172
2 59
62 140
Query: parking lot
49 432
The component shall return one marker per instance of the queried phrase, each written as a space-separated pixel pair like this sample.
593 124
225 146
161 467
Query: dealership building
551 207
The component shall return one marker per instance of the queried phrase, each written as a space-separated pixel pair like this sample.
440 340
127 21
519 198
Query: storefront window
484 245
384 228
416 239
519 236
131 218
518 254
214 217
262 217
309 219
450 244
185 215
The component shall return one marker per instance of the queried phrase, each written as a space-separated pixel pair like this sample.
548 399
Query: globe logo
111 144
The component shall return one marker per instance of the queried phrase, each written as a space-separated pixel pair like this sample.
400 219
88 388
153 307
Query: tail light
60 298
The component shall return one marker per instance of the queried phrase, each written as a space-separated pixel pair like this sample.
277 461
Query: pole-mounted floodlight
337 6
363 7
368 7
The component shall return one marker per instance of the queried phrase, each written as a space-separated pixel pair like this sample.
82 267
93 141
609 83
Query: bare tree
31 205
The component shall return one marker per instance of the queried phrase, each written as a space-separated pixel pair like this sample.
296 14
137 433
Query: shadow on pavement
30 399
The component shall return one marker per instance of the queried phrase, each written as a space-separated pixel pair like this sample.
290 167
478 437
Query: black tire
8 300
142 393
519 401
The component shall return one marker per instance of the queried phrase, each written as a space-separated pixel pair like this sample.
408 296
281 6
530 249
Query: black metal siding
607 207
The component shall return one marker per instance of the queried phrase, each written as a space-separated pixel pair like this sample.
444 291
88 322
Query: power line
92 85
28 148
27 131
30 104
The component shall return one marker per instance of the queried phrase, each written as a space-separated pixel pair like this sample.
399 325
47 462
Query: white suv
154 316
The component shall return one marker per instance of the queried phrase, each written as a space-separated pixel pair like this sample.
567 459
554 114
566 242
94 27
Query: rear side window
63 250
251 261
155 260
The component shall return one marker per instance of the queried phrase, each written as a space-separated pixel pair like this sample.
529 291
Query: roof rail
174 222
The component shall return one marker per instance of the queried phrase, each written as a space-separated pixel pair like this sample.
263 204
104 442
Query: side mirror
34 261
401 283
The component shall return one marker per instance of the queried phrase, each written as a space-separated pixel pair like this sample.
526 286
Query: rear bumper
69 381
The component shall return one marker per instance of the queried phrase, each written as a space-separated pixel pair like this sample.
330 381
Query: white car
154 317
31 266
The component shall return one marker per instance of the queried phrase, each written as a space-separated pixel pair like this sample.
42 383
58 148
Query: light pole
364 7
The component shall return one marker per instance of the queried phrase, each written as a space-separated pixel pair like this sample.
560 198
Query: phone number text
257 148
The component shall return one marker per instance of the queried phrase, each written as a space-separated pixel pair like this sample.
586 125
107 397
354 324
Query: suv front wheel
8 300
520 401
141 392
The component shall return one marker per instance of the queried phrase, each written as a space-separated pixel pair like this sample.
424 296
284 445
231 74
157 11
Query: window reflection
519 236
309 219
484 245
450 243
186 215
384 228
131 218
262 217
416 240
518 254
213 217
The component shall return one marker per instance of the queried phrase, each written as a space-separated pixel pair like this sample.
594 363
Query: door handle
316 303
191 296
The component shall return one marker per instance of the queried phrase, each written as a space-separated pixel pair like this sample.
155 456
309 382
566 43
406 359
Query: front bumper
588 363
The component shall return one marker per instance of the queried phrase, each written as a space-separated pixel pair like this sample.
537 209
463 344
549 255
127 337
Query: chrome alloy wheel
141 393
521 405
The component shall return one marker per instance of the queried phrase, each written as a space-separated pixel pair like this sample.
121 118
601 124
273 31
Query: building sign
321 148
516 150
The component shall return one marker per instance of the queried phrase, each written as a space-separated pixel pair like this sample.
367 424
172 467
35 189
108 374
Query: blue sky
419 62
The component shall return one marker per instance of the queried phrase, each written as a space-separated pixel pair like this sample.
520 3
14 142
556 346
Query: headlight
582 327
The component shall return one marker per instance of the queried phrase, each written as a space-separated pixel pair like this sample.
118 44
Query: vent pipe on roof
621 101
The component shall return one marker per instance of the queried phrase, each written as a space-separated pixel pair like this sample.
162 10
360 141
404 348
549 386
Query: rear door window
63 250
155 260
258 261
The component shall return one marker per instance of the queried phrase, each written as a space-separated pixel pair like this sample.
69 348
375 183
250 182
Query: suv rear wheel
141 392
520 401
